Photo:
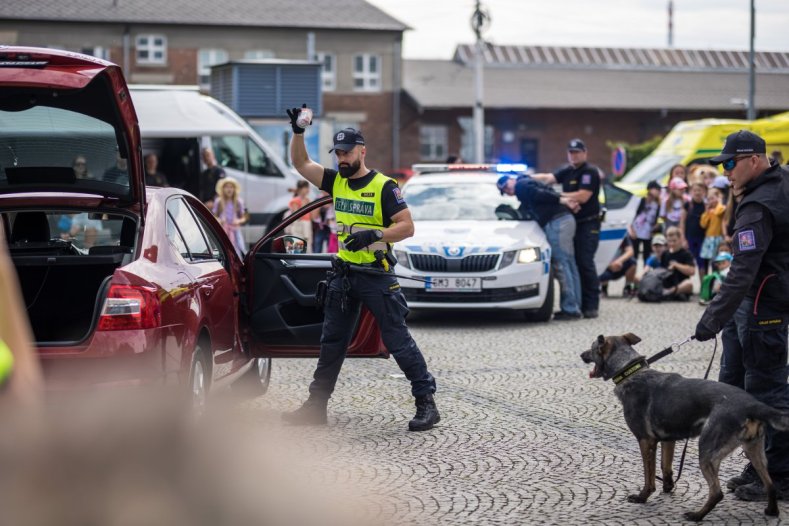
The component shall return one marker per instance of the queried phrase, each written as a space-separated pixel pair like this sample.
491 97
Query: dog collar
631 368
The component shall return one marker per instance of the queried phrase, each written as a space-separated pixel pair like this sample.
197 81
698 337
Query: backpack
650 289
706 293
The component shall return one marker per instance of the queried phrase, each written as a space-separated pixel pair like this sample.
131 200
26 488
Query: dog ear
631 338
600 340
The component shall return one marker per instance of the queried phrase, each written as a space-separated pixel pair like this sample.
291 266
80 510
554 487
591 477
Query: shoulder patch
586 179
746 240
398 195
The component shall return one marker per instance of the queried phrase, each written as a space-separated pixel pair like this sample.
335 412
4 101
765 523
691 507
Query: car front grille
483 296
435 263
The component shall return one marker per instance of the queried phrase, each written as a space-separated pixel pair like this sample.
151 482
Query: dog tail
778 420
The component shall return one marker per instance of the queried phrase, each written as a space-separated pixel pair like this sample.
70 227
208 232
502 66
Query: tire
199 381
255 381
545 312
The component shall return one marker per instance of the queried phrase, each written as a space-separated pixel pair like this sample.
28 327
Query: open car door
284 318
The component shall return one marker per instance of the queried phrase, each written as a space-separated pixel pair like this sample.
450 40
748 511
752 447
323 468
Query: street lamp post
480 20
752 67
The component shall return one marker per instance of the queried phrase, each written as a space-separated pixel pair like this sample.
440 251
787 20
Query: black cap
576 145
653 184
738 143
346 139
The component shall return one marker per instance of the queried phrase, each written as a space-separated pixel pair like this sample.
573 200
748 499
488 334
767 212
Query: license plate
453 284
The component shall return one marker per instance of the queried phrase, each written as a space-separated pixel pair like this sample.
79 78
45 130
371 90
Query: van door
284 318
621 208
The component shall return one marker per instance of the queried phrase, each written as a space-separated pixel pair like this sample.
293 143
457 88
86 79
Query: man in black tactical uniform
371 214
581 183
757 289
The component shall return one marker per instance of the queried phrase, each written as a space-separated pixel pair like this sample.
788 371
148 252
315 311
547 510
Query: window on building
151 49
366 72
207 58
329 72
96 51
258 54
467 140
433 143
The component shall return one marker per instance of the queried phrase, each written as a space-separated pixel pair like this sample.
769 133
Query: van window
260 163
230 151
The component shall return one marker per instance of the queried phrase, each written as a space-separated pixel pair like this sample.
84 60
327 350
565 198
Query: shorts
694 247
709 248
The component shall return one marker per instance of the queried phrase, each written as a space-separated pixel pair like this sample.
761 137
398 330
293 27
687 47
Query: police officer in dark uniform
371 215
581 182
756 293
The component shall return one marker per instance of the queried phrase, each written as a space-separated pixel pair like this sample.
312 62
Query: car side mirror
288 245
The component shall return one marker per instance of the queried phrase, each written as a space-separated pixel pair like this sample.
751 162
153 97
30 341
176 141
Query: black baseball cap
738 143
653 184
346 139
576 145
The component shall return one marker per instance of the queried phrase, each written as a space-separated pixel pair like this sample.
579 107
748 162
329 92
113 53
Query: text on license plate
453 284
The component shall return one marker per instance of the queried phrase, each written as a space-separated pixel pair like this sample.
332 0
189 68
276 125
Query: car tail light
130 307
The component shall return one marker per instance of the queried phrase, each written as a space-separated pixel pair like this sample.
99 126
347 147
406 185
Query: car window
615 197
459 200
190 231
217 252
80 230
175 237
230 151
260 163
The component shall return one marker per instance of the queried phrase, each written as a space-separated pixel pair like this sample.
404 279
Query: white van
177 122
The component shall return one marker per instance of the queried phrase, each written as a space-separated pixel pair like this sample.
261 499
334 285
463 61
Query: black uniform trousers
754 358
587 238
381 294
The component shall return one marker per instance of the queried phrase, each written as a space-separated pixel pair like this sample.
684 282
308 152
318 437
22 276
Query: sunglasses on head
729 164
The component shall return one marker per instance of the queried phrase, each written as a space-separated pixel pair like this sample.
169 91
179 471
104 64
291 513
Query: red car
126 285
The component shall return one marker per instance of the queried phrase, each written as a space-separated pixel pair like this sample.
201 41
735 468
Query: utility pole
480 20
670 23
752 67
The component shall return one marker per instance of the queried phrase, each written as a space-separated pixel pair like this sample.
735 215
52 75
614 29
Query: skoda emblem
453 251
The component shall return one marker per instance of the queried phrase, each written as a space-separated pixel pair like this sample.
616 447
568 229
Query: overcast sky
439 25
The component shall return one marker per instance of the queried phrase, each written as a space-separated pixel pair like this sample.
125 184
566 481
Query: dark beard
348 170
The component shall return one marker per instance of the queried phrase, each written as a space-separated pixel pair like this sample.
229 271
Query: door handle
207 289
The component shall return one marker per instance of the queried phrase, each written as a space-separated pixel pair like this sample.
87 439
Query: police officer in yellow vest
371 214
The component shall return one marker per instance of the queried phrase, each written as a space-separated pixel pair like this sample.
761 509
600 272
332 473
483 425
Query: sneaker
629 291
566 316
747 476
754 492
591 314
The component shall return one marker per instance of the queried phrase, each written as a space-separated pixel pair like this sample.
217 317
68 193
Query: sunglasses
729 164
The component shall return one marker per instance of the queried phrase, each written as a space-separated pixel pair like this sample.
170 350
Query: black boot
311 413
426 414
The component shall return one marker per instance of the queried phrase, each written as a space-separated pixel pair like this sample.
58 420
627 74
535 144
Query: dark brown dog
665 407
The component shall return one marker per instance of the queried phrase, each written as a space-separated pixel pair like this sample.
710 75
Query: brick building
536 98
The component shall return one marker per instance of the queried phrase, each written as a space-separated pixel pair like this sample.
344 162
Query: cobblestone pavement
525 438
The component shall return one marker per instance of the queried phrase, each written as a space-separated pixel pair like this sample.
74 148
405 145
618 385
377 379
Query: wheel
199 381
545 312
255 381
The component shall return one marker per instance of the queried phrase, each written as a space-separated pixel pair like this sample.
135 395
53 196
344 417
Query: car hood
461 238
57 106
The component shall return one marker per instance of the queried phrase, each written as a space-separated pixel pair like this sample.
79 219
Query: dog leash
665 352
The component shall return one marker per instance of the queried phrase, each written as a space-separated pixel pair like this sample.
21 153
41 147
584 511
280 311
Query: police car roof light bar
481 167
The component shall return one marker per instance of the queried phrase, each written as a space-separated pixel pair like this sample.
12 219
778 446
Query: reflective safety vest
357 210
6 363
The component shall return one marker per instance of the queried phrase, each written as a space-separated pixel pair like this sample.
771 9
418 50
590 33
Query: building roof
438 84
329 14
662 59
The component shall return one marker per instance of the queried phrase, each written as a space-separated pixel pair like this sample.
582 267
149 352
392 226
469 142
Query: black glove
294 114
361 239
703 333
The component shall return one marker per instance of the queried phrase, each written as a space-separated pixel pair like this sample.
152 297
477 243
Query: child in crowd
658 247
678 284
643 226
711 284
692 231
678 170
229 209
673 207
303 226
712 222
623 265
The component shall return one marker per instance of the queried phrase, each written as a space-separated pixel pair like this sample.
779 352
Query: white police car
475 252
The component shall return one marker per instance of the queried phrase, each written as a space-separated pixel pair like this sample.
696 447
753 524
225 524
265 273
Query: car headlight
402 258
507 258
529 255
